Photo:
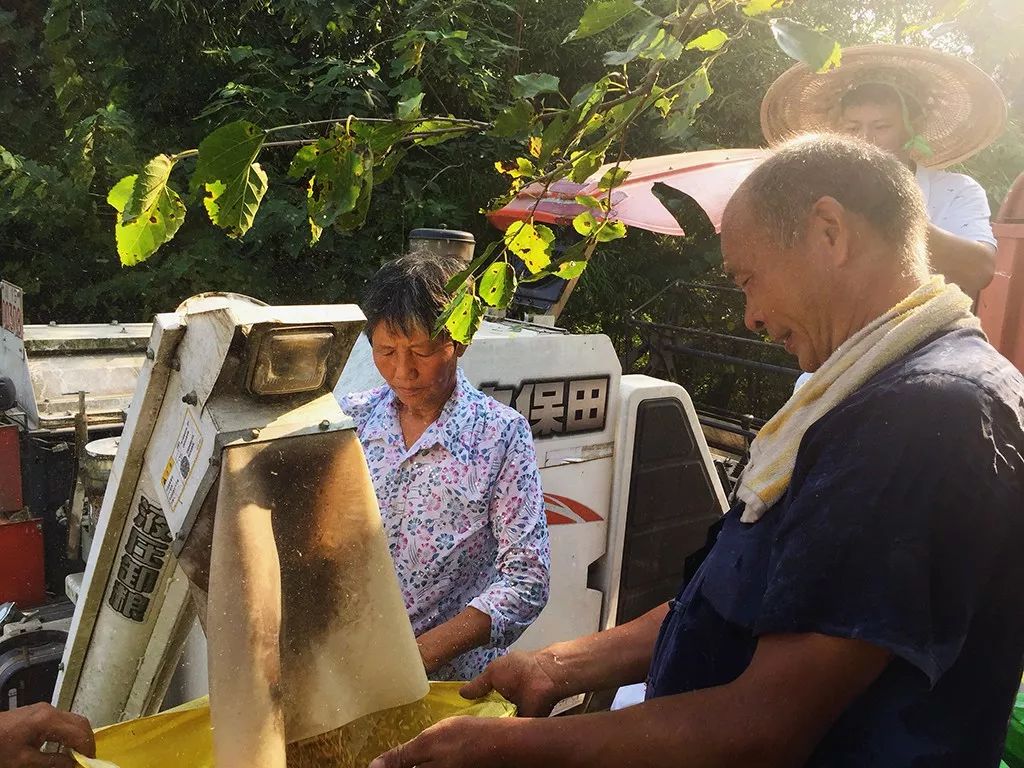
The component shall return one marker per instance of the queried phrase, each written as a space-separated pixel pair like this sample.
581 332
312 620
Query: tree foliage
101 90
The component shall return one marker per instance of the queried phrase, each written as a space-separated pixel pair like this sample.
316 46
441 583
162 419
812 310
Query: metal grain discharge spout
239 492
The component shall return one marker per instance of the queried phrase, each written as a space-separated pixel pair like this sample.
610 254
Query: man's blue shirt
903 526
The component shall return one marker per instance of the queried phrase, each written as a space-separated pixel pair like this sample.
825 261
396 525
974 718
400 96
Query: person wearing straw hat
860 603
928 108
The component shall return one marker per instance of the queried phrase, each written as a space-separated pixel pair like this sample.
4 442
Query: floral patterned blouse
464 514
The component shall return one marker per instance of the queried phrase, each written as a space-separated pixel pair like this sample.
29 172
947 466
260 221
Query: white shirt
957 204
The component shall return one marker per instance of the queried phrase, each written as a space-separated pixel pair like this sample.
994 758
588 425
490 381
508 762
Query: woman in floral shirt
456 477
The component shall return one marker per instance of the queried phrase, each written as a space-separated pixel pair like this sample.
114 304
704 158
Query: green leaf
612 230
342 180
304 161
434 133
234 182
603 231
498 285
152 183
711 40
571 269
478 262
139 239
407 88
693 92
652 42
384 170
530 243
592 202
818 51
600 16
467 312
613 177
589 96
664 104
354 219
529 86
514 121
759 7
556 133
409 109
584 164
585 223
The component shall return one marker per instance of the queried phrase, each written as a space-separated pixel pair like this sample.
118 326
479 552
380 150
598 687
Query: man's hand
531 681
23 731
458 742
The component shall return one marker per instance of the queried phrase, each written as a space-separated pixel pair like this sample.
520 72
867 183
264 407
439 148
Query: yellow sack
181 737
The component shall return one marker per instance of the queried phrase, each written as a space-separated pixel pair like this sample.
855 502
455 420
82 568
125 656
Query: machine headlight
286 361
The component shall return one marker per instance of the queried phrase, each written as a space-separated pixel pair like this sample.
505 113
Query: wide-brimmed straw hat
963 110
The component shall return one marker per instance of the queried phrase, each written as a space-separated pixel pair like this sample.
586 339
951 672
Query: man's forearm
774 714
967 263
619 656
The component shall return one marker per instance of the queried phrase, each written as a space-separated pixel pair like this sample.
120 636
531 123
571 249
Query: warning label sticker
183 458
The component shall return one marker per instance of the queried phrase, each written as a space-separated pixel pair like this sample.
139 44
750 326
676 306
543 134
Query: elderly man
861 604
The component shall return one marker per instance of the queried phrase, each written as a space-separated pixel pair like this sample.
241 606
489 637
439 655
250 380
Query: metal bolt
150 354
191 398
254 433
60 667
176 364
325 425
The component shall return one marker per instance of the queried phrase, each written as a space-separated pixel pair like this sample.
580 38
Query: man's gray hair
861 177
408 293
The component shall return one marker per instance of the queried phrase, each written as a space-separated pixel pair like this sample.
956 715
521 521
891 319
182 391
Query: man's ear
829 230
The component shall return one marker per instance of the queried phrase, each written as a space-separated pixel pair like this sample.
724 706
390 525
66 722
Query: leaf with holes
818 51
498 285
466 313
601 15
711 40
571 269
585 223
233 180
534 84
340 188
530 243
140 238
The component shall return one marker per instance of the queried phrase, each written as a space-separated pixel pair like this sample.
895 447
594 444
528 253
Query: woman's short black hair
408 293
